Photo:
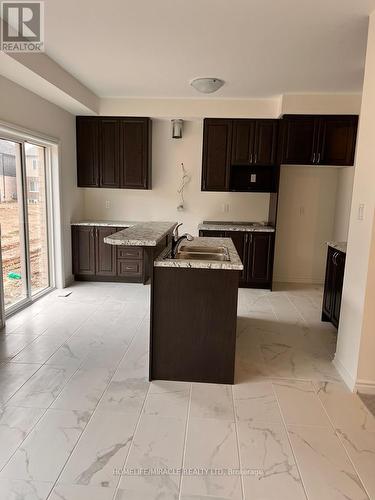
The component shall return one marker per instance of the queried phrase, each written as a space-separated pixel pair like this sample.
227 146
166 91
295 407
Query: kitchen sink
190 252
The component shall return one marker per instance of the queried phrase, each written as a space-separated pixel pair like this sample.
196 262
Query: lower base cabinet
94 260
334 280
256 251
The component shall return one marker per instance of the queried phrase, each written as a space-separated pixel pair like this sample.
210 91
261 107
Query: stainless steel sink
202 249
190 252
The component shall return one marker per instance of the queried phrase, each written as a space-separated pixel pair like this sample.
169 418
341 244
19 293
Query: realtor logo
22 26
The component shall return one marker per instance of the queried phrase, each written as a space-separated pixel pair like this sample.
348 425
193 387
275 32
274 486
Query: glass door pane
12 225
35 186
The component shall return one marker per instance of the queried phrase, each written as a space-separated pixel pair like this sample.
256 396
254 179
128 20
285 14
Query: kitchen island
194 312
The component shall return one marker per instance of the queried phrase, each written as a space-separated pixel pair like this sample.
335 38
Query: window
24 207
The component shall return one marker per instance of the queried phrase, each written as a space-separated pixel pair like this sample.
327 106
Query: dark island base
193 325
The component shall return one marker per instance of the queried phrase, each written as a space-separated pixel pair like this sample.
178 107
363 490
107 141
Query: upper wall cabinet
319 139
254 142
114 152
217 144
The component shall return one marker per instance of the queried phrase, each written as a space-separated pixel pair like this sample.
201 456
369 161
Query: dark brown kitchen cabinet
105 255
87 152
217 142
83 249
256 251
114 152
254 142
260 259
319 139
110 153
334 279
95 260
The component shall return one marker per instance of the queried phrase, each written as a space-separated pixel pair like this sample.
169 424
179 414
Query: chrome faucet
177 240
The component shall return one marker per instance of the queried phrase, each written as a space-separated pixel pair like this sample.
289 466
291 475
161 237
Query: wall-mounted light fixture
177 129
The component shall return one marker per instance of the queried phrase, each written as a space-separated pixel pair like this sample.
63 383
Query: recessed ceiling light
207 85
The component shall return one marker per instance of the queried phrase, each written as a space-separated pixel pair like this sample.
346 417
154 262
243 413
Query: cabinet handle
334 258
251 158
318 159
313 158
255 157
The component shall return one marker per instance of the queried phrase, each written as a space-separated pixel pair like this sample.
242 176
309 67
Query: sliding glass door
24 222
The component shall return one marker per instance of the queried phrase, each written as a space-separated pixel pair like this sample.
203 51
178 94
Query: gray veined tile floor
79 419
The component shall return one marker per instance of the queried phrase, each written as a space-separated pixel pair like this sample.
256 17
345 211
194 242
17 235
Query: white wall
356 346
345 179
21 107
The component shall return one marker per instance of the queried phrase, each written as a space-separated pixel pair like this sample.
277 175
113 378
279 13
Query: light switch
107 204
361 211
253 178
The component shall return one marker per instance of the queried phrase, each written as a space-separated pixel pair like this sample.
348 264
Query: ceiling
261 48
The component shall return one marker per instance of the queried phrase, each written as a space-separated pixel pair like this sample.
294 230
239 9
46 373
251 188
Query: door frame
52 162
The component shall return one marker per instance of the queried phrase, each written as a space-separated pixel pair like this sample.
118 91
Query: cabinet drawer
130 268
130 253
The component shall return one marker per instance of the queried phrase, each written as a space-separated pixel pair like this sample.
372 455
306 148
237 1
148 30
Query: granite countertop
234 264
104 223
236 226
143 234
338 245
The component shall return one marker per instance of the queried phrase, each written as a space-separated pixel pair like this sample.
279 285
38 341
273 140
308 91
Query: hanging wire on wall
184 181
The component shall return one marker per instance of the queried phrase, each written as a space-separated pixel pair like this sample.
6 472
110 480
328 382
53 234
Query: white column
355 356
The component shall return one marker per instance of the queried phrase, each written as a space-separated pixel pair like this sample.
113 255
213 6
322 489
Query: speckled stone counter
143 234
234 263
138 234
104 223
338 245
235 226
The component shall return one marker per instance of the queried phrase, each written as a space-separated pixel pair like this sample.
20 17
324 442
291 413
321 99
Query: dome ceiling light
207 85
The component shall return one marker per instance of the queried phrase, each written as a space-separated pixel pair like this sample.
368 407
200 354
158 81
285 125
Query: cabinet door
87 129
110 148
337 140
105 255
265 142
240 239
217 138
300 139
339 263
329 284
243 142
260 258
134 139
212 234
83 250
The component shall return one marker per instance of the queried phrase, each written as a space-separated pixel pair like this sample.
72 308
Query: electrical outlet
302 211
107 204
225 207
361 211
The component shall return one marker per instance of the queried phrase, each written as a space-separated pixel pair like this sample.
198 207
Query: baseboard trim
365 386
303 280
345 375
69 281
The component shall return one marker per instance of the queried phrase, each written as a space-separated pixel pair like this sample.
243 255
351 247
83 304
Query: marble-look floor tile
211 445
39 351
201 497
268 463
13 489
326 470
141 495
13 376
369 400
15 425
84 389
300 404
212 401
42 388
46 449
256 401
11 345
360 446
102 448
344 408
158 444
168 400
73 352
78 492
